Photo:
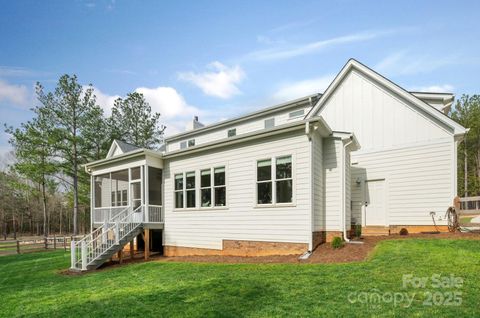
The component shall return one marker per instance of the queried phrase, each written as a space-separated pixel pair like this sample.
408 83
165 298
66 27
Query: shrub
337 242
403 231
358 230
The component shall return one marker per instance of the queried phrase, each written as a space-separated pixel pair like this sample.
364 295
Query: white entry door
375 212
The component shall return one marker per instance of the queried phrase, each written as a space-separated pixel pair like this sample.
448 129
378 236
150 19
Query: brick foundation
415 229
240 248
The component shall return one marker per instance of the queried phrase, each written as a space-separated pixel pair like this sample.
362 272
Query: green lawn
31 286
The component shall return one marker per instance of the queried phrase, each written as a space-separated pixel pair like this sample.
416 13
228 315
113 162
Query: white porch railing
100 215
155 214
107 213
85 251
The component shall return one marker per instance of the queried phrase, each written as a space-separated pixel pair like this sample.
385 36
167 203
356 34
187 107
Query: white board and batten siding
244 127
241 219
399 144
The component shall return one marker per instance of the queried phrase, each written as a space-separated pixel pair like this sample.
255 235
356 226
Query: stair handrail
92 246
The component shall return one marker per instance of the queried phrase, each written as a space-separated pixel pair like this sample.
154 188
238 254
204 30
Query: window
284 182
179 191
296 113
219 185
190 189
191 143
154 186
264 181
232 132
135 173
269 123
102 185
119 184
275 184
183 145
206 188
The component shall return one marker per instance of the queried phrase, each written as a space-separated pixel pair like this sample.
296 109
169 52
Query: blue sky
218 59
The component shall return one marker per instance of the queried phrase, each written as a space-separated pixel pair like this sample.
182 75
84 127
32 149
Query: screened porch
133 188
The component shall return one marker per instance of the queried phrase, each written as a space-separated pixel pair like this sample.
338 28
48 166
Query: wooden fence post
54 242
65 243
18 247
46 242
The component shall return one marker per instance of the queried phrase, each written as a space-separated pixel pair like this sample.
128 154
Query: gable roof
123 146
430 111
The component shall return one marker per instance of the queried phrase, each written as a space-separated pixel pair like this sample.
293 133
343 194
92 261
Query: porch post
147 243
92 201
146 185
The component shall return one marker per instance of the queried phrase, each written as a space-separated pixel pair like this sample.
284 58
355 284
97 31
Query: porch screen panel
154 186
119 188
103 190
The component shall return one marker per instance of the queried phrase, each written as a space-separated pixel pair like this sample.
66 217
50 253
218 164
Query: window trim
296 111
273 180
234 132
198 198
265 123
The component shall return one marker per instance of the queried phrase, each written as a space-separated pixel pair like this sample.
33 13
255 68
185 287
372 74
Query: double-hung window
206 188
219 185
190 189
179 191
213 189
274 182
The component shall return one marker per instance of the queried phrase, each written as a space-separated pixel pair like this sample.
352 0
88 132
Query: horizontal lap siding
241 220
418 180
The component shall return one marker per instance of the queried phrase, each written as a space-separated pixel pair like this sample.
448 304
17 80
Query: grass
31 285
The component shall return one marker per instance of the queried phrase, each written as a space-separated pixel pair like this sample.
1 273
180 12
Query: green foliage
337 242
467 113
32 286
358 230
133 121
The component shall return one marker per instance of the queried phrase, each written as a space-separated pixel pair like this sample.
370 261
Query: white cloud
167 101
105 101
174 110
302 88
443 88
405 63
18 95
312 47
221 81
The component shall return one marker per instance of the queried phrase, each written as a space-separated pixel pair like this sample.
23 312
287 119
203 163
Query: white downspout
343 190
310 242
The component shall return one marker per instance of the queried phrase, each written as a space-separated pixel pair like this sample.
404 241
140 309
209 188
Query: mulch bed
322 254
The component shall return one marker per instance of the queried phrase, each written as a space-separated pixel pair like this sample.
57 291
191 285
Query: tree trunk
465 167
44 202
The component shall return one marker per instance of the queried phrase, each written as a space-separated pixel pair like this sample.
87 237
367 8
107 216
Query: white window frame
292 116
219 186
204 188
175 191
273 180
265 123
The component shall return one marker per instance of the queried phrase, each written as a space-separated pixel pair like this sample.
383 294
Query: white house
284 179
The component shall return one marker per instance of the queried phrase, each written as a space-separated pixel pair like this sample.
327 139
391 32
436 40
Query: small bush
403 231
358 230
337 242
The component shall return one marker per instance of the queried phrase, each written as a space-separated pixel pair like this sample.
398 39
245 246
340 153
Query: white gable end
378 117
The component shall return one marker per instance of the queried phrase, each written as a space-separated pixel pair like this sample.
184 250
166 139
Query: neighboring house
284 179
